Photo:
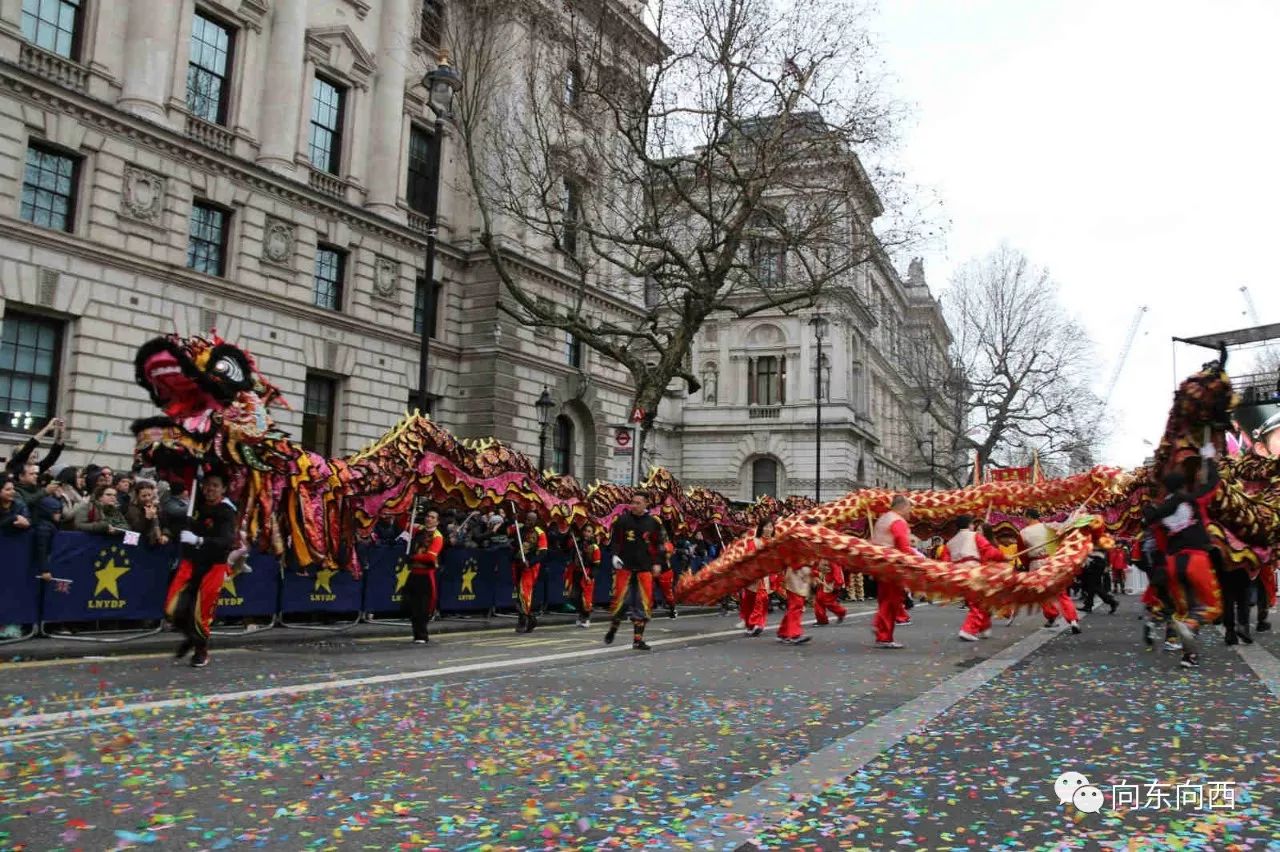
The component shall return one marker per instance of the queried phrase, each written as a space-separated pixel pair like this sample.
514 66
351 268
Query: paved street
490 740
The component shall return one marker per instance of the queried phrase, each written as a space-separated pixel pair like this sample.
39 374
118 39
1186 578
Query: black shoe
610 633
800 640
1264 626
1075 628
1115 605
183 649
1190 661
1245 636
520 625
532 623
1231 639
671 612
1050 622
640 645
200 659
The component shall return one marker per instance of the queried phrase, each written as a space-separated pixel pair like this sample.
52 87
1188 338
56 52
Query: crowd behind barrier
97 579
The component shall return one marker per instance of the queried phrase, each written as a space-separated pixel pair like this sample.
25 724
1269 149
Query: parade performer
1119 570
1091 579
207 541
969 545
1236 585
753 601
1041 541
526 566
1265 590
667 577
830 577
891 530
1192 583
421 593
632 541
580 576
796 584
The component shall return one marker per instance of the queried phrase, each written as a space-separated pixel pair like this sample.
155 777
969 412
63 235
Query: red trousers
525 578
1194 588
632 595
978 620
579 589
667 582
753 606
1063 606
824 601
1268 577
890 609
790 627
192 598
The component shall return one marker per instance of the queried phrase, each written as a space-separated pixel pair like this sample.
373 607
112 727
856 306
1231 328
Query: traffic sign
637 415
623 437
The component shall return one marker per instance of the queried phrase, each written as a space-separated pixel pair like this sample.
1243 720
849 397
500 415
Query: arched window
764 478
562 446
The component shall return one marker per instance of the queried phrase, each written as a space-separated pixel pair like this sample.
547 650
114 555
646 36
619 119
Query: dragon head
213 398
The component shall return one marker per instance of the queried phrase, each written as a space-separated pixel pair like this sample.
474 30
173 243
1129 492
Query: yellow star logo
323 576
108 577
402 574
468 577
229 585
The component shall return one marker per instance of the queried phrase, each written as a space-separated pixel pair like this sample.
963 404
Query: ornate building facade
260 167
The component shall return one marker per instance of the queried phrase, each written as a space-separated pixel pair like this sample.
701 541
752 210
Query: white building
258 167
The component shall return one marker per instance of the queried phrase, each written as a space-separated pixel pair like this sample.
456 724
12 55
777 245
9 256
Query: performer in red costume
526 566
796 583
830 578
420 590
1265 589
969 545
207 541
1041 542
753 601
667 579
891 530
1192 583
635 538
580 576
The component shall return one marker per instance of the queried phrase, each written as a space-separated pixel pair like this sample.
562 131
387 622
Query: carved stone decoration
278 241
143 197
386 278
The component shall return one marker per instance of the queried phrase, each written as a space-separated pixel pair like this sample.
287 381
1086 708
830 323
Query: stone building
259 167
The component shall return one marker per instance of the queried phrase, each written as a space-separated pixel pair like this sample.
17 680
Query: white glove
617 563
1208 451
188 537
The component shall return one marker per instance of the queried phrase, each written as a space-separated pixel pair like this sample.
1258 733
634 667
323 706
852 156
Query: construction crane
1124 354
1253 309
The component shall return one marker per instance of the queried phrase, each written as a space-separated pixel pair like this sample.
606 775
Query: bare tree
1021 373
702 166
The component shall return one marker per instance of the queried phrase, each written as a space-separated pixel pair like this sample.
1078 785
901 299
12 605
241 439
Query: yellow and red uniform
580 578
421 594
525 571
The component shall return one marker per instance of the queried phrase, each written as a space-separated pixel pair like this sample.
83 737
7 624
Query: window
562 446
764 478
207 69
432 30
572 85
207 248
420 304
770 262
327 108
766 380
331 264
569 204
422 171
49 188
29 350
53 25
317 414
573 351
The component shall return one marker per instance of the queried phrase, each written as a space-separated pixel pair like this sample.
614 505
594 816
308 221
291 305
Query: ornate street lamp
442 83
545 405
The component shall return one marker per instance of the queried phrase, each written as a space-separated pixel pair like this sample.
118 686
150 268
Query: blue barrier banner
253 594
552 580
385 571
467 578
603 592
504 586
109 580
325 590
20 602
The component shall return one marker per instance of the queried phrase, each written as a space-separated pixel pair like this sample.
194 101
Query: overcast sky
1130 146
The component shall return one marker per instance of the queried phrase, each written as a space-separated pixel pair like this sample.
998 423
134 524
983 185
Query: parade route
493 740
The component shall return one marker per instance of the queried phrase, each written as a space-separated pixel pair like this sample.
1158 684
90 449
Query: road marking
1264 665
738 823
202 702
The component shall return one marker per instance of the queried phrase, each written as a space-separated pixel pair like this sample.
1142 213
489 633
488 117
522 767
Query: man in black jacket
636 542
207 541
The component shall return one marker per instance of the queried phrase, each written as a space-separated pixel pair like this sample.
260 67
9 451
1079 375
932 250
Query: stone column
383 170
150 46
283 93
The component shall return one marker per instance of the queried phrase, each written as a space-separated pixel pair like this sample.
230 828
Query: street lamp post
443 82
819 324
544 405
